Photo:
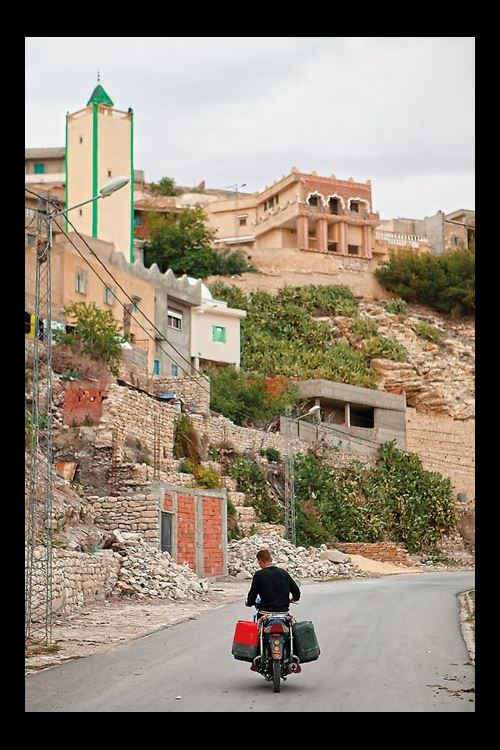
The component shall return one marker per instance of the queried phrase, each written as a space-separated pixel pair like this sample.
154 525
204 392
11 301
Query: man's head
264 558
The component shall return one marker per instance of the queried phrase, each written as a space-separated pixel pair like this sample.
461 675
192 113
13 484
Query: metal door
166 532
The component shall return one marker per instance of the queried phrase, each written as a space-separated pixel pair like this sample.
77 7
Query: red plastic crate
246 633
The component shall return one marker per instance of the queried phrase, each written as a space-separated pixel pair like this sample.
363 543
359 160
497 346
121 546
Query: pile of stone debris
147 572
317 563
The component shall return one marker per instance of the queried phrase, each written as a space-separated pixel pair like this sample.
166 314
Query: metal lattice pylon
156 448
39 522
290 526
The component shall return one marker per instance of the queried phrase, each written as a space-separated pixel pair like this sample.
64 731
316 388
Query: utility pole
38 522
38 505
290 504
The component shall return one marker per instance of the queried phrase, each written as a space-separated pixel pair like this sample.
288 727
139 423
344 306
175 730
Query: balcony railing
394 239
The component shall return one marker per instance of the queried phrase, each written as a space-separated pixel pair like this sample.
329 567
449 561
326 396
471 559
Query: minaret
100 147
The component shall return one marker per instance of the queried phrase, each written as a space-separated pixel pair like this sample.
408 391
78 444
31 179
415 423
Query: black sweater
274 586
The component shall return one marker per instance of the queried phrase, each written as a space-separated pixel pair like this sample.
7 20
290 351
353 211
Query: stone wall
194 391
218 429
139 513
132 413
445 445
280 267
382 551
78 578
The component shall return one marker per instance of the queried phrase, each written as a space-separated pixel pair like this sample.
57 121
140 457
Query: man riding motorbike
274 586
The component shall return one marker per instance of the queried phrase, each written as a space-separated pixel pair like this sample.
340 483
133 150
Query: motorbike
276 660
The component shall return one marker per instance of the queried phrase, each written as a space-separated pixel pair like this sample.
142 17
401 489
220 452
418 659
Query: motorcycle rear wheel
276 676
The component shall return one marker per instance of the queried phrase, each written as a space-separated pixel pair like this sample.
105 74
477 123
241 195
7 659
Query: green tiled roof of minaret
99 96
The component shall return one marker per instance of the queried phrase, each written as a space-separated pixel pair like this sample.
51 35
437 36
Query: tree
444 282
183 243
95 332
165 186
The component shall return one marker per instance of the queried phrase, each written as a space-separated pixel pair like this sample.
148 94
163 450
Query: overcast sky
396 110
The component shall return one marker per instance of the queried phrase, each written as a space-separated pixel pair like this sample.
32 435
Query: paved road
388 644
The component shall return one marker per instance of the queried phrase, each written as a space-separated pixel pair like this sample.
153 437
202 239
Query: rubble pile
147 572
317 563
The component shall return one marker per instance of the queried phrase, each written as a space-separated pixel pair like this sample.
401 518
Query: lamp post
38 608
290 515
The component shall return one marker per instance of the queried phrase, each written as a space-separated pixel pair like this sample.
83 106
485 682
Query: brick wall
186 529
199 527
445 445
213 558
382 551
83 401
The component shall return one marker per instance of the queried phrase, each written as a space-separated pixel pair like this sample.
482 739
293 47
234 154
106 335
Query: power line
122 303
124 292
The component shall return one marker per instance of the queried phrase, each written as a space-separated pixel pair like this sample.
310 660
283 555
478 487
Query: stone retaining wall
382 551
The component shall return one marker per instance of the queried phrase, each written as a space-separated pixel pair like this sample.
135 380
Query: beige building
44 165
100 147
215 332
74 281
302 210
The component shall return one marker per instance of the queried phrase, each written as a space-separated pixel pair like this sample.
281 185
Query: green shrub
251 480
396 306
382 346
444 282
186 443
396 500
244 399
185 466
280 337
271 454
207 478
363 327
429 332
95 332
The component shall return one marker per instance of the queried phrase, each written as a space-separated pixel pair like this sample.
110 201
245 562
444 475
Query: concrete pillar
302 233
347 415
196 364
322 235
366 251
342 244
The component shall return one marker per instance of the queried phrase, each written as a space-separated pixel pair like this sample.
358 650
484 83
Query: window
80 211
174 319
362 416
156 367
81 282
334 205
135 306
175 370
109 297
242 221
39 168
109 172
30 239
332 247
270 203
354 207
219 334
313 201
353 249
138 222
81 139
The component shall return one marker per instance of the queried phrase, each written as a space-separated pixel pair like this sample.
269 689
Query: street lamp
107 189
290 524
